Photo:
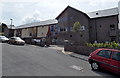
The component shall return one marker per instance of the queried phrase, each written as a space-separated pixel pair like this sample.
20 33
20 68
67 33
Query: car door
103 57
115 62
12 40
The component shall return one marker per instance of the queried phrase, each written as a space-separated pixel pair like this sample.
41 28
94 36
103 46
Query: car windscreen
17 38
2 37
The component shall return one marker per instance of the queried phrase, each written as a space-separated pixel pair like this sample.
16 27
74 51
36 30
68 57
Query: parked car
3 39
16 40
41 42
36 41
108 59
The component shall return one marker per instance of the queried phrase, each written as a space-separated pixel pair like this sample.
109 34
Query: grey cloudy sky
24 11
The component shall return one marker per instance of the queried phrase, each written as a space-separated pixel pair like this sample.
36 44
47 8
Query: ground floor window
113 38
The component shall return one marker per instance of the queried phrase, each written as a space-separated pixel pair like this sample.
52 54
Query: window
30 34
97 13
60 29
113 38
63 29
81 35
104 53
70 35
90 26
12 38
112 27
116 56
51 28
66 29
71 28
82 28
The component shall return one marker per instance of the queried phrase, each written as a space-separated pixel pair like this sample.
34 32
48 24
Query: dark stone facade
65 24
99 29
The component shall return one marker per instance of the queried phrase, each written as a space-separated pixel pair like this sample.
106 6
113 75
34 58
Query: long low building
35 30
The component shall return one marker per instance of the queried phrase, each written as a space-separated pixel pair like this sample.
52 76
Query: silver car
16 40
3 39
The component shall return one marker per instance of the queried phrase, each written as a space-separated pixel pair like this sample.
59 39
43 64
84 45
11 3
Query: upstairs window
90 26
70 35
97 13
112 27
82 28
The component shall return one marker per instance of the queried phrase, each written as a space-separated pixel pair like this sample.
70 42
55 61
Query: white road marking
77 67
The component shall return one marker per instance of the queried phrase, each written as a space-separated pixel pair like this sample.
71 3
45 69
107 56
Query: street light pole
11 23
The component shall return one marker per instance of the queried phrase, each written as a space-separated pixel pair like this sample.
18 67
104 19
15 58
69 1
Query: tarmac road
30 60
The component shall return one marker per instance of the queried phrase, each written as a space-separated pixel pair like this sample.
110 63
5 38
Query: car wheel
9 42
95 66
23 44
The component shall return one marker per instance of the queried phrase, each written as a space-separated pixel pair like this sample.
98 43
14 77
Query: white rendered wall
25 33
42 31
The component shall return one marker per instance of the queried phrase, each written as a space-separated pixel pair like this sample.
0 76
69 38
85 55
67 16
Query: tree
76 26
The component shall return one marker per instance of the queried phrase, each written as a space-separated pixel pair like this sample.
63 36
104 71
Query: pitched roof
41 23
71 8
103 13
9 26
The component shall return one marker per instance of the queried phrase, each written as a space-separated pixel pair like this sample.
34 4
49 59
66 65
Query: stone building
100 26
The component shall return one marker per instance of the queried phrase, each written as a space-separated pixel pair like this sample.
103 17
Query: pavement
79 56
72 54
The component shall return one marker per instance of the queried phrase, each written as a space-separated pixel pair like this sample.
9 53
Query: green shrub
104 45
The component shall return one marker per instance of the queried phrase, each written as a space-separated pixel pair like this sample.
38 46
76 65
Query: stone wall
85 50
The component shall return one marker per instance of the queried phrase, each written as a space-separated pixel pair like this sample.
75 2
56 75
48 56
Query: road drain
77 67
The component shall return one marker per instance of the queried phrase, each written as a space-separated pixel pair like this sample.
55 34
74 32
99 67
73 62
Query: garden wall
85 50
